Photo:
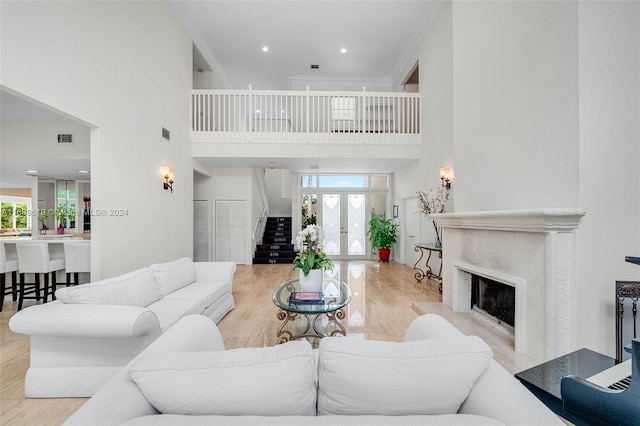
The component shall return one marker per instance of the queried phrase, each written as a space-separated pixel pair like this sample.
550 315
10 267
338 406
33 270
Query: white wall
278 182
228 184
609 72
436 115
537 105
125 68
515 103
38 139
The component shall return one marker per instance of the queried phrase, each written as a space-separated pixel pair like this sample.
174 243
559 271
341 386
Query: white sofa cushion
135 288
269 381
434 376
172 276
210 291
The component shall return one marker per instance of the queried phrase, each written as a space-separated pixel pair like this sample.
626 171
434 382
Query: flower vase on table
313 281
311 260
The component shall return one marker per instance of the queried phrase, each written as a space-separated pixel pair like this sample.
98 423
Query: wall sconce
445 176
167 173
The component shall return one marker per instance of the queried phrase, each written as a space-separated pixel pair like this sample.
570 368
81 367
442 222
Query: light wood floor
385 299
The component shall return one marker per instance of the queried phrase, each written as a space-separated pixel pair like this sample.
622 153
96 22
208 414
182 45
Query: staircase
276 247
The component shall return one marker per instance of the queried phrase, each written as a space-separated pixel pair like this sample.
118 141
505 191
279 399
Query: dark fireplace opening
493 298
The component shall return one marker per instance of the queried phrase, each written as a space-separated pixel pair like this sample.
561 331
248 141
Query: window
344 181
14 213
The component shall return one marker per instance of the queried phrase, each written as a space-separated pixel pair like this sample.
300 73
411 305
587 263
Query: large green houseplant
383 234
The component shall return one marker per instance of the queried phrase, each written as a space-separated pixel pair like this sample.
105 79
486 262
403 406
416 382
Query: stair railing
261 220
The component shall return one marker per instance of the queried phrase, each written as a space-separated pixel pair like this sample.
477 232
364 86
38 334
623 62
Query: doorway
343 218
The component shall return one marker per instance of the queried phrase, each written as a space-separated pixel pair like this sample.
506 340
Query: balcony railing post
307 108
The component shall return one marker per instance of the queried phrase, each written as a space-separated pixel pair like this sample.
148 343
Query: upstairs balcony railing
298 116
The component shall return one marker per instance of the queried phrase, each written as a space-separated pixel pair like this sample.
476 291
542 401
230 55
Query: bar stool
77 258
33 258
7 265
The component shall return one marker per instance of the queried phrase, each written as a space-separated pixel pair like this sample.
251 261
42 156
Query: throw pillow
135 288
434 376
269 381
172 276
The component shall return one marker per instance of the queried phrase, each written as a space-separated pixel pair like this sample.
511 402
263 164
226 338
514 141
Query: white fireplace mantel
534 220
536 250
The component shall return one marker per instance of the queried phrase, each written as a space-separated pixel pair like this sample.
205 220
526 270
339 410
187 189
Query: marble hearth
531 250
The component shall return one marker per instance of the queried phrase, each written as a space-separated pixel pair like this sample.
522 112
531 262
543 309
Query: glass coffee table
335 296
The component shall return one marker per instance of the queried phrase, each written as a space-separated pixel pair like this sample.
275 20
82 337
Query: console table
427 272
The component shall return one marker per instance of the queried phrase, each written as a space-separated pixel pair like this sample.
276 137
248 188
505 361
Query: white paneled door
201 231
343 218
230 238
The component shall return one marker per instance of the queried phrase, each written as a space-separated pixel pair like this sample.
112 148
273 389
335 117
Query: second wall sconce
167 173
445 176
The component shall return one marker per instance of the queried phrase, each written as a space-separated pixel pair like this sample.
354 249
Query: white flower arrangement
433 201
311 256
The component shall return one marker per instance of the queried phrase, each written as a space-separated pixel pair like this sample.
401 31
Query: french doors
343 217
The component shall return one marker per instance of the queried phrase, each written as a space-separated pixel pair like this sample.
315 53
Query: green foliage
307 260
63 213
382 233
311 255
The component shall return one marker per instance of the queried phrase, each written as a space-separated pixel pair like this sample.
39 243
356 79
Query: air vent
315 67
65 138
166 134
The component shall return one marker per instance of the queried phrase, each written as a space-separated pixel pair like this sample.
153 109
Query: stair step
281 220
268 260
275 247
276 240
278 234
274 254
277 227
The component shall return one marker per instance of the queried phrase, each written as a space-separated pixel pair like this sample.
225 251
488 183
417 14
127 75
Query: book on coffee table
306 298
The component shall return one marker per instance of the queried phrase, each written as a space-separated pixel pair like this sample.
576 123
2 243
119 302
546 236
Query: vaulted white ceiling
378 37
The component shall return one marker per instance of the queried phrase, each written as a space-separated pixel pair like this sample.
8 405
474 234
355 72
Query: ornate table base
311 329
427 272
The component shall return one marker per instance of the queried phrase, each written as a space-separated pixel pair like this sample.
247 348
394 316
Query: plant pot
384 254
313 281
60 231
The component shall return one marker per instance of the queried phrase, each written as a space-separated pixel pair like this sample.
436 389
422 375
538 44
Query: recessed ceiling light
343 50
351 163
84 171
265 49
31 172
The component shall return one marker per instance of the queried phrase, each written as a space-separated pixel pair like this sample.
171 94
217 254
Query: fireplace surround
530 250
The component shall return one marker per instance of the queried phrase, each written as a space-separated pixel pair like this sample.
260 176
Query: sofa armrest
499 395
430 326
120 398
85 320
215 271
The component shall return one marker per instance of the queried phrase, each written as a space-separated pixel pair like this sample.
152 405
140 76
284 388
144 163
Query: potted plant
311 260
383 234
62 214
43 215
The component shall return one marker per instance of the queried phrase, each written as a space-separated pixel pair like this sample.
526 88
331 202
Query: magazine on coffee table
306 298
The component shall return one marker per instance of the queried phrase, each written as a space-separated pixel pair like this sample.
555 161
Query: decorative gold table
335 296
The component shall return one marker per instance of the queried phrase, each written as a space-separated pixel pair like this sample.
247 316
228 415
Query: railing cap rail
359 93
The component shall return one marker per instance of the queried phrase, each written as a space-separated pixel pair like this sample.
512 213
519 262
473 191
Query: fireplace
494 300
530 251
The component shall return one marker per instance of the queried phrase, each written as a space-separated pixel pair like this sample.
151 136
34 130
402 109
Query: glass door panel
344 223
331 224
356 226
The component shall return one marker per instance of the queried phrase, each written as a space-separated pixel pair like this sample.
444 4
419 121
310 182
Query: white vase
313 281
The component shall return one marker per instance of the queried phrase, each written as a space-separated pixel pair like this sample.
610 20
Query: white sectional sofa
437 376
87 335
